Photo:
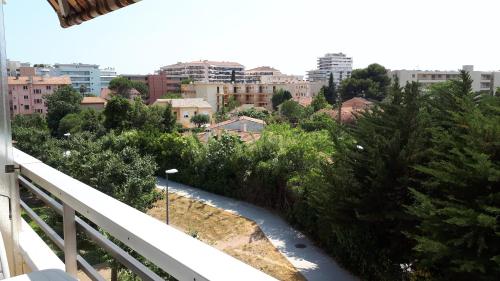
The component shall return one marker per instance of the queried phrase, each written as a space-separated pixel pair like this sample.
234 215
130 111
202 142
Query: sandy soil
235 235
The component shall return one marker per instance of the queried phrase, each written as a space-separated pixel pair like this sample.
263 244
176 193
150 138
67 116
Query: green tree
330 92
62 102
254 113
292 111
371 82
121 86
233 76
361 197
83 90
71 123
458 235
200 120
142 88
319 101
116 113
171 95
169 119
279 97
317 122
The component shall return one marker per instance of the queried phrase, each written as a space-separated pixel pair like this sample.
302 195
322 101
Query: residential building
338 64
241 124
26 93
256 94
107 74
206 71
97 103
143 78
349 110
254 75
14 67
487 81
246 128
87 76
158 84
184 109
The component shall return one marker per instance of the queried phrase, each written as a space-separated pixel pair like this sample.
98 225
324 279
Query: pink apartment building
26 93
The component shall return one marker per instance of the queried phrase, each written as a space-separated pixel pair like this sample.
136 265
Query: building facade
14 68
337 64
483 81
107 74
255 94
184 109
206 71
158 84
26 93
86 76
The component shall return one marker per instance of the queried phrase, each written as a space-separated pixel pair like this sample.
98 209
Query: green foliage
253 113
62 102
116 113
200 120
142 88
319 101
187 81
365 191
317 122
121 86
233 76
458 235
292 111
330 92
169 119
279 97
371 82
171 95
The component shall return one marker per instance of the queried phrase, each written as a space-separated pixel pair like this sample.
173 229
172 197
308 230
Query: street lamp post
168 172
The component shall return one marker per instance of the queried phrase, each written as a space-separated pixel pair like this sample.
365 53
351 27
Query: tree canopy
279 97
62 102
371 82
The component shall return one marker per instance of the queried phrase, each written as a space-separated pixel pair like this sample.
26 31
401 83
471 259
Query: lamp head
171 171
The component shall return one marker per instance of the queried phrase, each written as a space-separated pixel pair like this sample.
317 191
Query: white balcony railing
178 254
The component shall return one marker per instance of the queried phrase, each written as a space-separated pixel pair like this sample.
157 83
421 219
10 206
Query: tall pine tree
458 207
363 217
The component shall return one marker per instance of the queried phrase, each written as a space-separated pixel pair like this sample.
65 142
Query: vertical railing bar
115 251
59 242
69 229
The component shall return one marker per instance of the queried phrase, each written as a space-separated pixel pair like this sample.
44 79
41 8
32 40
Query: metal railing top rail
177 253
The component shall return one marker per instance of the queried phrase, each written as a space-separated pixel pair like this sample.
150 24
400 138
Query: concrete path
311 261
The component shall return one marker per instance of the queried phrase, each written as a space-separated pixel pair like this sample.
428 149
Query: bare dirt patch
235 235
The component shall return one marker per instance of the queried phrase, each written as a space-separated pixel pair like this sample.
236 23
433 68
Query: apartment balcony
88 211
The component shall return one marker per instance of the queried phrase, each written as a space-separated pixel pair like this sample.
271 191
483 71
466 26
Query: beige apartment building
256 94
184 109
483 81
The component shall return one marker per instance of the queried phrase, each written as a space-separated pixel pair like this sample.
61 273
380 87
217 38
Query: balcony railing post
69 228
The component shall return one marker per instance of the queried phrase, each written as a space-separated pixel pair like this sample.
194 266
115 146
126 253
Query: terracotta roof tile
39 80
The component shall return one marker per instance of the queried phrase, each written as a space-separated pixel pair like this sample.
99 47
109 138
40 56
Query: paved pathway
310 261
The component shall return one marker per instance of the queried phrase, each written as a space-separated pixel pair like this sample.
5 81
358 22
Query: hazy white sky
286 34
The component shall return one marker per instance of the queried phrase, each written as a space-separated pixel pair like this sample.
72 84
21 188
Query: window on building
186 115
15 107
39 110
26 97
26 107
37 91
49 87
218 90
38 101
25 87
